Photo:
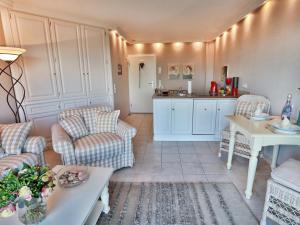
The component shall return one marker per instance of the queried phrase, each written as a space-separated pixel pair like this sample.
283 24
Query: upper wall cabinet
38 67
95 62
67 43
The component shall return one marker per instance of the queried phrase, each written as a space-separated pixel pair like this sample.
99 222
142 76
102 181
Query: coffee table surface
72 206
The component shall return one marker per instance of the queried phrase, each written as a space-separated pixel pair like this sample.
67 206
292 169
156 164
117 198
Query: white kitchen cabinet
182 116
224 108
173 116
204 119
94 60
188 119
67 44
162 116
33 34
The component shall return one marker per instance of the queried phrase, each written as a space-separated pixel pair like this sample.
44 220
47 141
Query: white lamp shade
10 54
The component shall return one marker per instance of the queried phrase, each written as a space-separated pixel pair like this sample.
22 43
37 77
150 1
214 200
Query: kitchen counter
193 96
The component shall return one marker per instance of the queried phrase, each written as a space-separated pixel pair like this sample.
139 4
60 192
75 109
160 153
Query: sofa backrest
87 113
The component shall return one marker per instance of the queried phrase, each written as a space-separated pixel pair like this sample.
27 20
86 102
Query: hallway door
142 82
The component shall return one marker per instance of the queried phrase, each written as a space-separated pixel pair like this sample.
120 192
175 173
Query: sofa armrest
34 145
63 144
125 130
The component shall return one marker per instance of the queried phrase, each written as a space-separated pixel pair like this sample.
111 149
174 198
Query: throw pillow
14 136
107 121
74 126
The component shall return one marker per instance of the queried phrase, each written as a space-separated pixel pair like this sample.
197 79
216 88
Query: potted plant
26 189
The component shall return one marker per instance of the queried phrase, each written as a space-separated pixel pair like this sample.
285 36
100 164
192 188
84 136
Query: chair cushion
16 161
96 147
243 108
288 174
74 126
13 137
89 115
107 121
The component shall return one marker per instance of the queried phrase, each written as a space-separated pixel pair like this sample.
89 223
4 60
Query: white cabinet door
67 44
33 34
224 108
162 116
182 116
204 116
94 60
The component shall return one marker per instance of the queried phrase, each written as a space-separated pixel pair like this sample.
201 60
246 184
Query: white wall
264 51
176 53
118 50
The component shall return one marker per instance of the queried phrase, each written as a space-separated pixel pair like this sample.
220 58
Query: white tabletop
258 128
71 206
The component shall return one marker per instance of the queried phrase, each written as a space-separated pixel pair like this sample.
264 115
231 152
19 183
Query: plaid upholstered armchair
96 148
32 151
246 104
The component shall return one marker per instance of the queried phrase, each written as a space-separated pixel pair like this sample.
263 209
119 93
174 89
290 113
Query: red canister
213 88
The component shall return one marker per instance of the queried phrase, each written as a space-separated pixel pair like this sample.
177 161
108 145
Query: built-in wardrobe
66 65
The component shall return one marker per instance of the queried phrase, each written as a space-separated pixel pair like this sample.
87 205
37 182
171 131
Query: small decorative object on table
72 176
27 189
298 121
287 109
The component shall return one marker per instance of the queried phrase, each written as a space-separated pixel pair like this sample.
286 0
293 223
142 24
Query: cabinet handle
219 109
87 73
173 109
83 74
205 109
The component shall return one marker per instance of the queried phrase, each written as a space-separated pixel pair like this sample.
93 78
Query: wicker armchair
246 104
282 203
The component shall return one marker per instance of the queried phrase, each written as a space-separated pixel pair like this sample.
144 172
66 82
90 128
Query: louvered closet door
95 65
33 34
67 44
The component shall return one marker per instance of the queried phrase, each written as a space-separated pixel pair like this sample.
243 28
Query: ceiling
150 21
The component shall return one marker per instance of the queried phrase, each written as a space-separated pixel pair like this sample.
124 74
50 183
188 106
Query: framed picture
188 71
120 69
173 71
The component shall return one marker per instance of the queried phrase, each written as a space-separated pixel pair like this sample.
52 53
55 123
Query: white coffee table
78 205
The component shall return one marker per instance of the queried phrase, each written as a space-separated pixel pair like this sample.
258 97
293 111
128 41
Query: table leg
231 146
255 149
275 156
105 200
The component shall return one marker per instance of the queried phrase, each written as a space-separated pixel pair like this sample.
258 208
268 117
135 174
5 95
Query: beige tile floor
184 162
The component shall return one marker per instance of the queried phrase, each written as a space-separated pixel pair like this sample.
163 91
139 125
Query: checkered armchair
246 104
32 153
96 149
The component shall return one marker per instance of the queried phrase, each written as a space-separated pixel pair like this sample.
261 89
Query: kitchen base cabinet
188 119
173 116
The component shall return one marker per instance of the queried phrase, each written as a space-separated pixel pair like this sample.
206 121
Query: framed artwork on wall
120 69
173 71
188 71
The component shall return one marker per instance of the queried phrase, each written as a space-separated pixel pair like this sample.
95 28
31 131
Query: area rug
176 203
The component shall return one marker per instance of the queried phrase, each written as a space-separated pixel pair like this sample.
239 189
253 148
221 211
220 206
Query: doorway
142 82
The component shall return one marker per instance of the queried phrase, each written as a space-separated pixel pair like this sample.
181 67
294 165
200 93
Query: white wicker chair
246 104
282 203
